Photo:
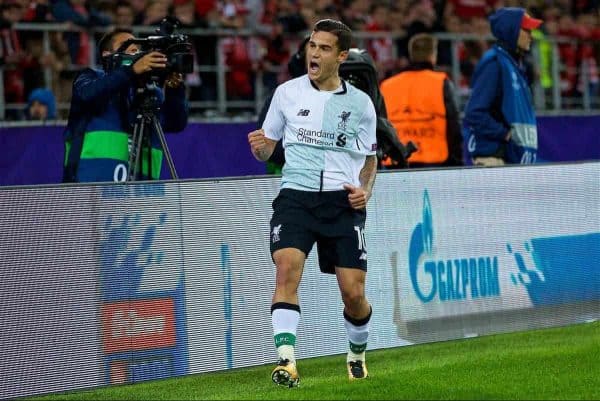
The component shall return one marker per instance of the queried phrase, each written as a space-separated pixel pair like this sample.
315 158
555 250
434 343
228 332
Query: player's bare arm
359 196
261 146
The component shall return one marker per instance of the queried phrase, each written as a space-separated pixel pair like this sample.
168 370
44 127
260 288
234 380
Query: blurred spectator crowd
278 26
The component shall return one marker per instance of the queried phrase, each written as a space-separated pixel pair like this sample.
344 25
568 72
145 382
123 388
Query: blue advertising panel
144 332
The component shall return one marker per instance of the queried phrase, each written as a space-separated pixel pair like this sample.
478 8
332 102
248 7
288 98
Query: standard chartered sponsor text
315 137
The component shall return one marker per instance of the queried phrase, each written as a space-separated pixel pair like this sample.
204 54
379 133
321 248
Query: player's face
323 59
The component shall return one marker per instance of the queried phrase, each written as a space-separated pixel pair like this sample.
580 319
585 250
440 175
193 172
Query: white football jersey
326 135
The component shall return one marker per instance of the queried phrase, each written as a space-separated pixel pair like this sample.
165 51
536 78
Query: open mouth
313 67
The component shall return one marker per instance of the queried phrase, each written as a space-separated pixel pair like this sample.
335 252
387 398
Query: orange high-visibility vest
415 106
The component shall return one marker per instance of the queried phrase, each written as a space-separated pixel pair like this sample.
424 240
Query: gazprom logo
447 279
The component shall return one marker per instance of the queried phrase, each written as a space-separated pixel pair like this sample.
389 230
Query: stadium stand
241 47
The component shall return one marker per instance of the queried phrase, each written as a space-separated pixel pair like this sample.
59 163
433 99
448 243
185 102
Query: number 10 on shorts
362 243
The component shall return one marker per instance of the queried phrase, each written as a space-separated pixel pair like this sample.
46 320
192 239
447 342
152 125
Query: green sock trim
357 348
284 339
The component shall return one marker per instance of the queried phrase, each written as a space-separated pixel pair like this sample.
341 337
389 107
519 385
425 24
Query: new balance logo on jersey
303 112
275 234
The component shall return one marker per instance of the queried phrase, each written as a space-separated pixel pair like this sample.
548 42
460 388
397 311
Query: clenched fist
261 146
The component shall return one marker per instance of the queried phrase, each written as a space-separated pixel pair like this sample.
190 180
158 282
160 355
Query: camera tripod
147 123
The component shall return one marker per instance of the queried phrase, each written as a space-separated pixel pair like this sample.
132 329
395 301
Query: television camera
175 47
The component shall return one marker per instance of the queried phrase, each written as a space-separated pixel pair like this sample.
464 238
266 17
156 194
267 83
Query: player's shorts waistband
313 199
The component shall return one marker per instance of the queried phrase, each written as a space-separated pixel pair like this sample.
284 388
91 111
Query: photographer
103 111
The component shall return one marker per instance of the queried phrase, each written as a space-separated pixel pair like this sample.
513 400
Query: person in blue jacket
499 124
104 107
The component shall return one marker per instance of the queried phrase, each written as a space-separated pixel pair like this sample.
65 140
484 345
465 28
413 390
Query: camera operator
103 111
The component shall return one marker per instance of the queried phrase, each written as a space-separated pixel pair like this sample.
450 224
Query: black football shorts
301 218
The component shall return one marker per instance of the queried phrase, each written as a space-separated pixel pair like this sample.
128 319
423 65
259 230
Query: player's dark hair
339 29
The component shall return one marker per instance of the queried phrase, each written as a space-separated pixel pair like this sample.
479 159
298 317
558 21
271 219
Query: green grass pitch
556 363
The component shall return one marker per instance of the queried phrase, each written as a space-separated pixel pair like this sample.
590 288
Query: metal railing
223 106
